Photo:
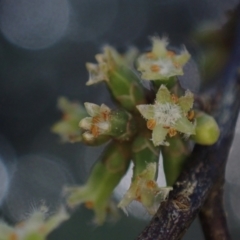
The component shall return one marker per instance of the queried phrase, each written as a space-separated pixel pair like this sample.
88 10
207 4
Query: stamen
177 65
105 115
96 119
170 54
174 98
151 123
94 130
172 132
89 204
150 55
155 68
151 184
190 115
13 236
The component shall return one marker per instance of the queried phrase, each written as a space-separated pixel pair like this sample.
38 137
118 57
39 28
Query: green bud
207 130
68 128
174 158
125 87
104 177
144 153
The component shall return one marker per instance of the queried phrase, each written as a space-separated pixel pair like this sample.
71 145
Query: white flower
160 63
98 123
168 115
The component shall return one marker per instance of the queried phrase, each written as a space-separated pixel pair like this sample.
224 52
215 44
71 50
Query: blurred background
44 46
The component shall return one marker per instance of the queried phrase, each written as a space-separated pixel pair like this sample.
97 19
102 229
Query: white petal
92 109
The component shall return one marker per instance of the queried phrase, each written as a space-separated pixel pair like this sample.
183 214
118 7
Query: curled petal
86 123
96 74
92 109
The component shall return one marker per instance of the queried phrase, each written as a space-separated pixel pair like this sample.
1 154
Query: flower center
167 114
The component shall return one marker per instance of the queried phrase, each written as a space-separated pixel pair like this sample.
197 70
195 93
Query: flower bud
207 130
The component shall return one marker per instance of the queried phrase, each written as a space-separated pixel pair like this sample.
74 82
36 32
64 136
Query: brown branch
212 215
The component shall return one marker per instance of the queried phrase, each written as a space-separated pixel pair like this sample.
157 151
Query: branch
175 215
212 215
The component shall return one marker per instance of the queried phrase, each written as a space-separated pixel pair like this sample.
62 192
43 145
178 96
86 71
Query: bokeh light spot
34 24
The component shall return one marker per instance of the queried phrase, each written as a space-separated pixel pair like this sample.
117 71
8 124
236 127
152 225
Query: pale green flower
168 115
67 128
108 61
144 189
98 122
160 63
104 121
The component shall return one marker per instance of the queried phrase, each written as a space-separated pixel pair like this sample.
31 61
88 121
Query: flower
67 128
35 227
108 61
118 124
145 190
161 63
168 115
98 123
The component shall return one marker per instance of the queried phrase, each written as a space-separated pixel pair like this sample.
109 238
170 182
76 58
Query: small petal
95 74
163 95
88 137
92 109
104 109
159 46
86 123
186 101
183 125
146 110
158 135
183 57
104 126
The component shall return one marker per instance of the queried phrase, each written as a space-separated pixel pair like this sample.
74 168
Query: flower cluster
169 118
